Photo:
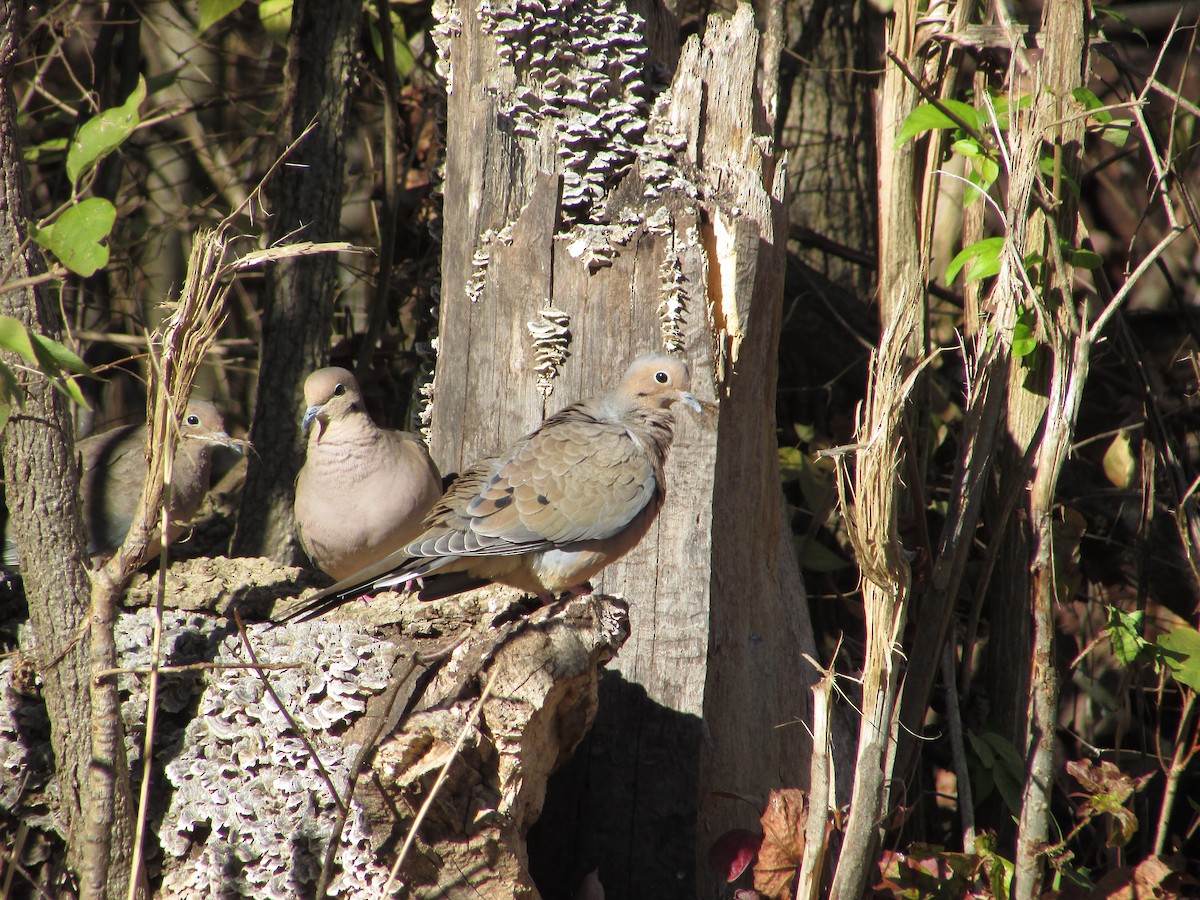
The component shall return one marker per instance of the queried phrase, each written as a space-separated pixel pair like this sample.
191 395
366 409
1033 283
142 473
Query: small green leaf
1117 133
5 414
1125 632
983 174
51 352
76 237
1002 763
968 147
14 336
46 148
213 11
276 18
1024 341
1087 99
1050 170
102 135
10 388
1084 259
984 257
1181 653
928 117
791 463
400 49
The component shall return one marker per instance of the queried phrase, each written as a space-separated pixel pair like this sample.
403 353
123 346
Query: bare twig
1186 747
820 790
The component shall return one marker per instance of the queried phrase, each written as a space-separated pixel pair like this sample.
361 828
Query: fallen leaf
782 847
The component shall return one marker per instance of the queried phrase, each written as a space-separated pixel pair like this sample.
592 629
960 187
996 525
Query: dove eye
662 377
193 419
339 390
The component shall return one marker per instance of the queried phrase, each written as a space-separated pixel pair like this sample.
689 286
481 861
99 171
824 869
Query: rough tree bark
616 216
41 482
305 199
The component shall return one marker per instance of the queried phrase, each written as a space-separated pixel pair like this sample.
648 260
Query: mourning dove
114 472
364 490
553 509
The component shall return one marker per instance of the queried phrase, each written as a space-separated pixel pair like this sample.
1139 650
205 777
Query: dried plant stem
411 837
1187 745
966 803
820 782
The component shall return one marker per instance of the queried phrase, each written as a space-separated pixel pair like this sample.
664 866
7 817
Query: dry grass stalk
872 524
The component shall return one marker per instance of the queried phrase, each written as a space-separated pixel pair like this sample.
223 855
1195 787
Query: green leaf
1003 763
791 463
76 237
14 336
1085 259
1181 653
46 148
102 135
10 388
968 147
5 413
1117 133
1024 341
1090 101
1048 168
51 352
1125 633
213 11
50 356
276 18
982 255
400 49
983 174
928 117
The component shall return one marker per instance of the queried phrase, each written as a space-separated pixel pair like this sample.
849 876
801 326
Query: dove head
201 429
657 380
328 394
203 423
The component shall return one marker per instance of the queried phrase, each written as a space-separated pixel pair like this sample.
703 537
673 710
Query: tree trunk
614 224
42 488
305 198
827 127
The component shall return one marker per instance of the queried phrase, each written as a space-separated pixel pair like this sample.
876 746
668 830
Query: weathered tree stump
246 797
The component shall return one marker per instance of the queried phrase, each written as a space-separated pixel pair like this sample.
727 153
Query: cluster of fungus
250 811
551 333
672 309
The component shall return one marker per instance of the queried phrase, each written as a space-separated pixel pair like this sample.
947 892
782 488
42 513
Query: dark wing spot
543 499
504 501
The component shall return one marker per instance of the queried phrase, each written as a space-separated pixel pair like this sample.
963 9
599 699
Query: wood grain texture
718 612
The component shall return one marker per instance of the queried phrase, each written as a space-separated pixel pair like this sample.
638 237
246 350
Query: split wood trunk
594 211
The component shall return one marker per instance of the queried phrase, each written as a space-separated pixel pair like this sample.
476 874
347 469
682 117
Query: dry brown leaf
783 843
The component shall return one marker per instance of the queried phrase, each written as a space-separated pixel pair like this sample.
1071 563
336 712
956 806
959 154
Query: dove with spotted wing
553 509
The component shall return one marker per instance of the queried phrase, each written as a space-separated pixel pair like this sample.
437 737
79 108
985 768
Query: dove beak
309 414
692 403
223 438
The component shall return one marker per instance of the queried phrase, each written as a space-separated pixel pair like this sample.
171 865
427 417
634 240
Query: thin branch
1110 310
933 100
